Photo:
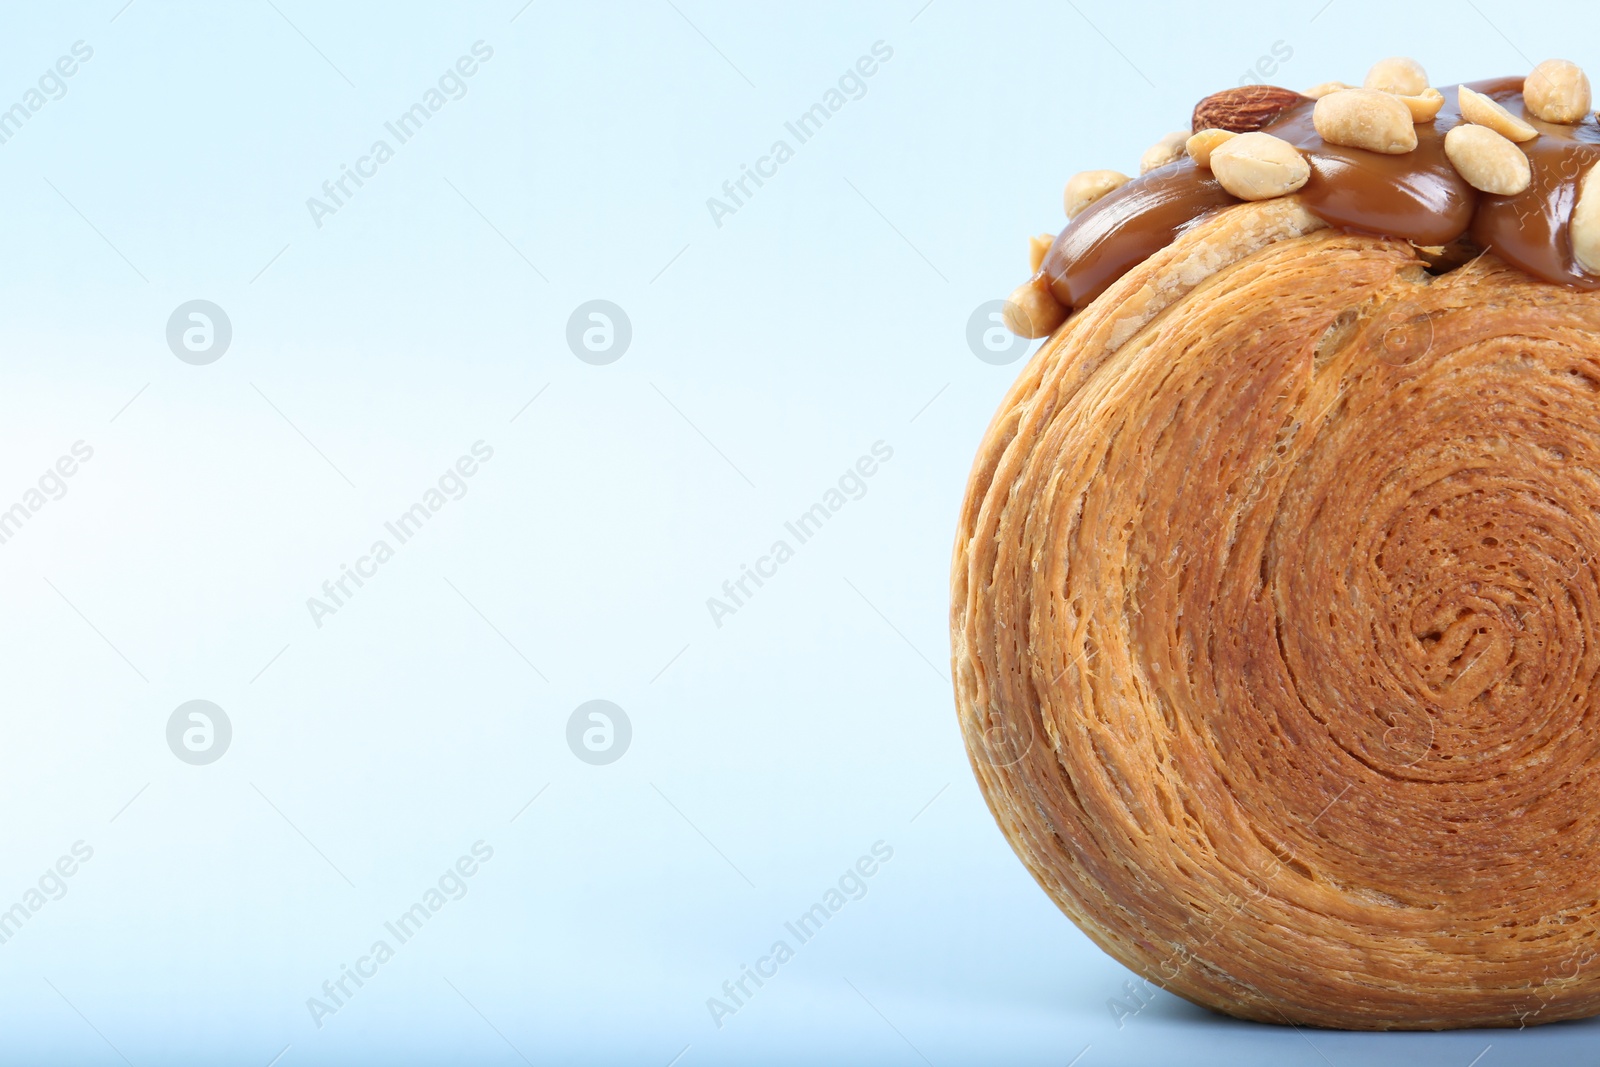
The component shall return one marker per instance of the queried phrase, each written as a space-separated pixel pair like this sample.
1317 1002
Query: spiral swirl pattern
1276 629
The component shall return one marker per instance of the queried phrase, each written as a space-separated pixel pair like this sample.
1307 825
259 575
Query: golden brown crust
1274 628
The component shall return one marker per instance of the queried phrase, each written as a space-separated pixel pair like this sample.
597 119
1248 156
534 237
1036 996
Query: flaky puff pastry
1276 628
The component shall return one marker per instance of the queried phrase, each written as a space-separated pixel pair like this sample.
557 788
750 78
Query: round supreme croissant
1276 593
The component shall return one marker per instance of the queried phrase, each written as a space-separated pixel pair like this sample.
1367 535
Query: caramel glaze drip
1417 196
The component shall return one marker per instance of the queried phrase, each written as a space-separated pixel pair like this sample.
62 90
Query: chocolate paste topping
1417 196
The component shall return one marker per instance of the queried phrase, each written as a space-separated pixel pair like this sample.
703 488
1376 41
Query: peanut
1488 161
1365 118
1087 186
1038 247
1482 111
1557 91
1032 310
1425 105
1202 144
1259 166
1162 152
1322 89
1397 75
1584 229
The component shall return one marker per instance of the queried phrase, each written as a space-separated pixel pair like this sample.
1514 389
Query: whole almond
1365 118
1481 110
1085 187
1162 152
1489 162
1398 75
1243 110
1201 145
1259 166
1557 91
1584 229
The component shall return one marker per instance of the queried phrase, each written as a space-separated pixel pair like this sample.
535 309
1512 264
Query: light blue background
768 354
